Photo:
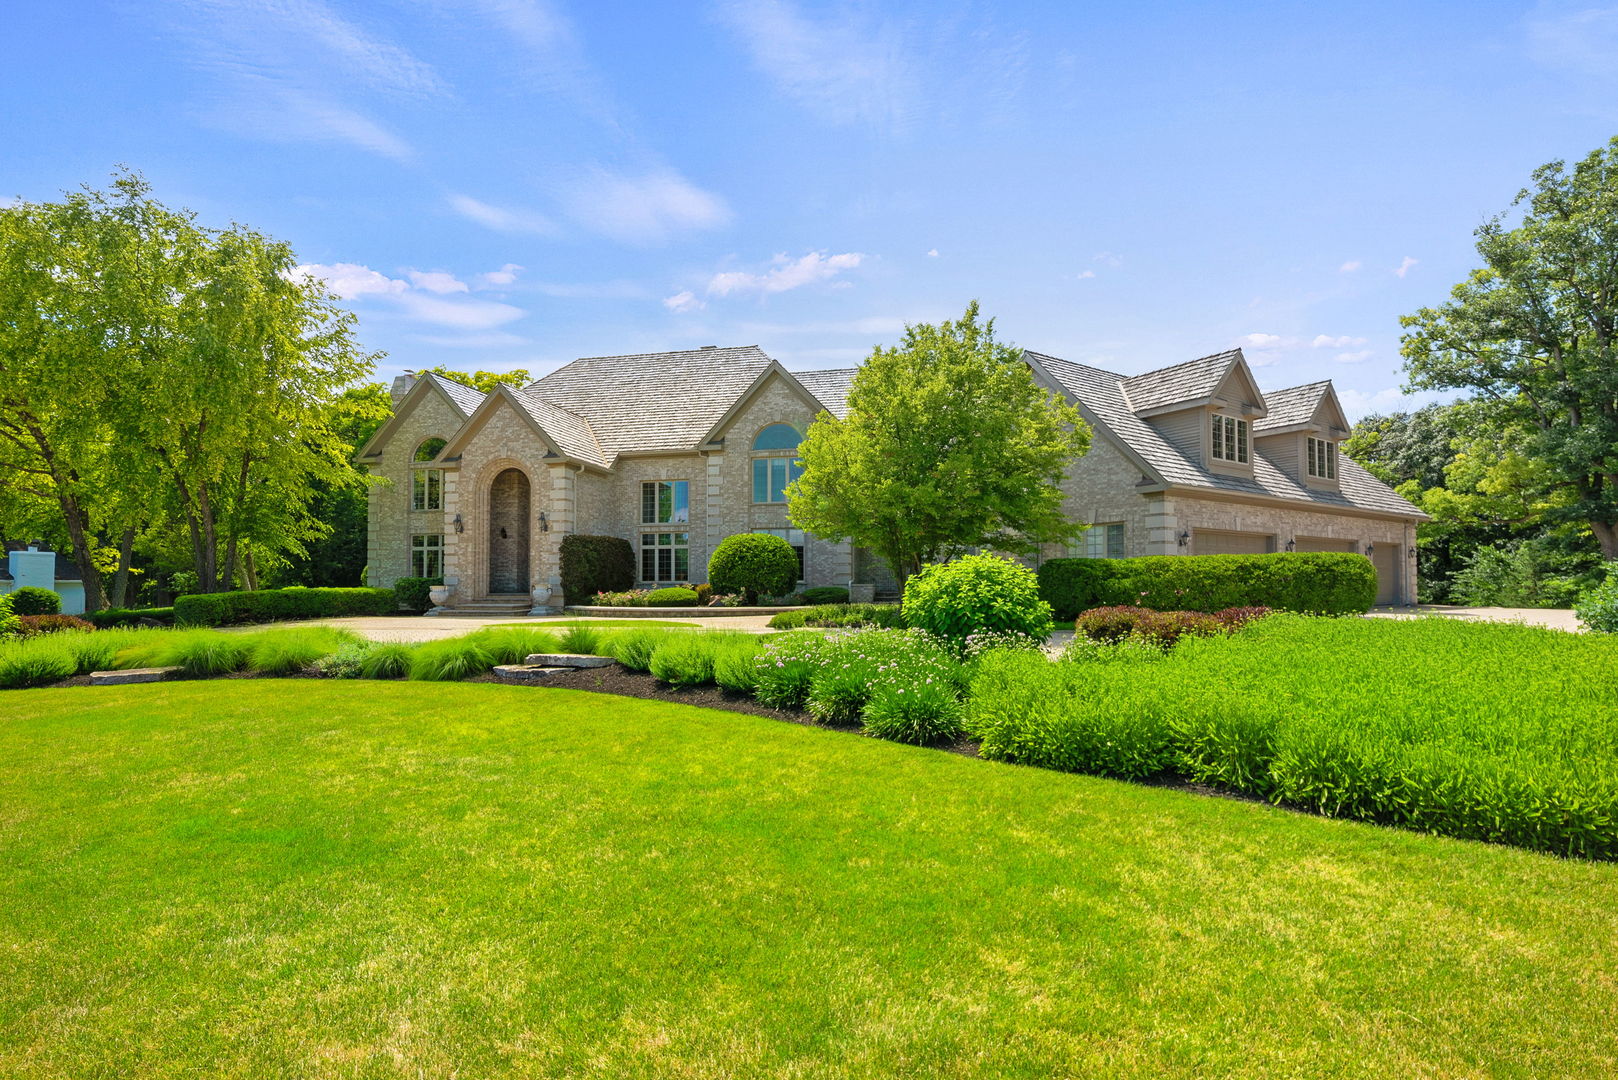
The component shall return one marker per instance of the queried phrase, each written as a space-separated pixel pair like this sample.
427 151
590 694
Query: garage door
1211 542
1320 543
1385 557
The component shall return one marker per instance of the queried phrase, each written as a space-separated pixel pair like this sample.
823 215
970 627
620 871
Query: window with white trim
427 555
427 485
1229 439
665 556
775 462
1101 541
793 537
1322 459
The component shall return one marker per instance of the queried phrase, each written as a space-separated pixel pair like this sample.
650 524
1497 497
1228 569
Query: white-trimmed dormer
1208 408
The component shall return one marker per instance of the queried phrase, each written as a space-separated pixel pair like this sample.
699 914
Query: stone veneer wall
1100 488
504 441
390 522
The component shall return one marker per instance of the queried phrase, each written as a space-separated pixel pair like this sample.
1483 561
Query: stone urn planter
542 600
439 595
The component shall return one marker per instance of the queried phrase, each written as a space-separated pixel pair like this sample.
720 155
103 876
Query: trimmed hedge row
595 564
273 605
130 616
1316 583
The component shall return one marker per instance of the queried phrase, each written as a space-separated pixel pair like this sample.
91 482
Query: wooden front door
508 533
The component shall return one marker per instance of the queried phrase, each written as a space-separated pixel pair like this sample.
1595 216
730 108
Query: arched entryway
508 533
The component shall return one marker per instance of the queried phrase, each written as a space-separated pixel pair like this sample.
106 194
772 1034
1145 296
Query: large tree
1534 334
153 368
949 445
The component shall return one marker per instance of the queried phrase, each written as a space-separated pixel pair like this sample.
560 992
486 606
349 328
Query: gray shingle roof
1293 405
830 387
570 432
465 398
1102 394
651 401
1190 381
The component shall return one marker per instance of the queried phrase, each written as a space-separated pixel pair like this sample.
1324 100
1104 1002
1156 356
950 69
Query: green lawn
357 879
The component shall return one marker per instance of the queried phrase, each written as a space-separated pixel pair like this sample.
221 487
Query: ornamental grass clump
685 659
511 644
634 648
450 659
387 660
198 653
37 661
922 714
584 640
286 652
735 665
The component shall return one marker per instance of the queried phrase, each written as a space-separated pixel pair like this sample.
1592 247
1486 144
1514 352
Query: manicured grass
367 879
562 624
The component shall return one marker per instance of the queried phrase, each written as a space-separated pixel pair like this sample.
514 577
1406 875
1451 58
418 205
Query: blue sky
514 183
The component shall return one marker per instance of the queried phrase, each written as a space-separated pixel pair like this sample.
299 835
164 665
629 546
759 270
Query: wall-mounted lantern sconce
1370 549
1292 545
1185 537
457 523
1412 552
544 525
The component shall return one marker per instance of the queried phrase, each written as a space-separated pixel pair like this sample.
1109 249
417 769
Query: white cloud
437 281
428 303
1082 274
932 253
788 273
1354 357
643 209
1349 267
1326 341
684 301
501 219
290 69
1107 258
1261 342
497 339
1404 266
506 275
845 67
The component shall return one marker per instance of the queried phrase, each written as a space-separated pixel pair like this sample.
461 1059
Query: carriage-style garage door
1385 557
1320 543
1211 542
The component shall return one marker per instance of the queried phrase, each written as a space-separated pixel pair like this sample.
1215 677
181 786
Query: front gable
503 415
775 390
426 411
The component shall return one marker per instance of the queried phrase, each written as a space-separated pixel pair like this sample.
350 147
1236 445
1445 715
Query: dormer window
1322 459
1230 439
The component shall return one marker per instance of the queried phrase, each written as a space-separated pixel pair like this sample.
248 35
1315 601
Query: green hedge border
1313 583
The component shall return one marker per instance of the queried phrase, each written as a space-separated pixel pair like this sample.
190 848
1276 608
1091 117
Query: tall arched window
427 485
775 462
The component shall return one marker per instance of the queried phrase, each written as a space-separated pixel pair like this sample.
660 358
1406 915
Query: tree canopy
1533 334
949 445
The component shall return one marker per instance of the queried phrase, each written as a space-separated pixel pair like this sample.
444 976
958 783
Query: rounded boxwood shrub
974 595
674 596
595 564
753 564
32 600
825 594
1598 608
412 593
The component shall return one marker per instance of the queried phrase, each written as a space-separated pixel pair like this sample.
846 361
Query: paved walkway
432 628
1555 618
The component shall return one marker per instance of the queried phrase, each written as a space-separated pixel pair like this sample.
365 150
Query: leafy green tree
949 445
484 381
1533 334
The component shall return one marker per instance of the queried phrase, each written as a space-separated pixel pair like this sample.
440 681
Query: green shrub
1163 629
387 660
50 624
840 615
449 659
32 600
1598 608
594 564
753 564
785 669
10 624
285 652
412 593
1316 583
633 648
281 605
735 665
348 661
825 594
195 652
626 598
130 616
853 667
925 714
1475 730
976 594
671 597
685 659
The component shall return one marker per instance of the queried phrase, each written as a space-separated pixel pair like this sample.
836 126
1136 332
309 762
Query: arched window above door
775 462
777 437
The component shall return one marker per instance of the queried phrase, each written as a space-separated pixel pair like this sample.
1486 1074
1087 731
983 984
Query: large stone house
676 451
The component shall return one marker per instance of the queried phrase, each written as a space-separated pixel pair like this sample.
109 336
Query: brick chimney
401 387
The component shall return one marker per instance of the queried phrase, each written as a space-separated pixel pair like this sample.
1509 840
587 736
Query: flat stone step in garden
133 675
569 660
528 671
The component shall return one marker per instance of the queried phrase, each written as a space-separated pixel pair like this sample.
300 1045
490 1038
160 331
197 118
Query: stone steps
493 607
568 660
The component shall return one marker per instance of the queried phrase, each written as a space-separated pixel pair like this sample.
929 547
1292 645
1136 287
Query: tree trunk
94 600
249 571
1607 536
120 581
229 574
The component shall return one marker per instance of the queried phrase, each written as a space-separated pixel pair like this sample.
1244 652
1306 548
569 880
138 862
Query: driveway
1554 618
